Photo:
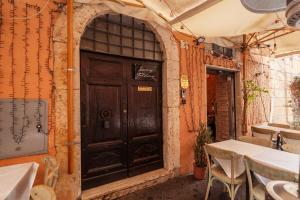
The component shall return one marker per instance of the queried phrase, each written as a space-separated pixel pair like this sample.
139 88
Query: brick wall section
222 112
211 92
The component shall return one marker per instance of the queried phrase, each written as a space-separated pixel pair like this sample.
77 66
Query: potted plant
203 137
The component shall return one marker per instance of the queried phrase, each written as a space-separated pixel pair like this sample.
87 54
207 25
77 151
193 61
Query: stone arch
83 15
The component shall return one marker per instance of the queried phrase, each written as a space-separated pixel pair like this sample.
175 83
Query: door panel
104 129
105 137
143 111
105 113
104 70
121 128
145 129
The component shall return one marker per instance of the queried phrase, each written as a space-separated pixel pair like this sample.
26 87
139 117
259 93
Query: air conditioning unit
220 51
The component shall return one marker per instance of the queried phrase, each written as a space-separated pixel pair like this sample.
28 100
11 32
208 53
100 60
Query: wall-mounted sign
144 89
145 72
184 81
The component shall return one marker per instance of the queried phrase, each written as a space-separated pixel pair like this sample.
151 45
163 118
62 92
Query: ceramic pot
199 172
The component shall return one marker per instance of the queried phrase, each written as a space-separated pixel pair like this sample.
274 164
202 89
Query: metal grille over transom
121 35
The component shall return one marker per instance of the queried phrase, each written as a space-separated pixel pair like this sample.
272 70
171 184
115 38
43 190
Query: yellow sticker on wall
144 89
184 81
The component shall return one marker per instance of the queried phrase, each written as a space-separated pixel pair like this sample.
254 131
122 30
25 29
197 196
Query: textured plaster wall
258 70
25 47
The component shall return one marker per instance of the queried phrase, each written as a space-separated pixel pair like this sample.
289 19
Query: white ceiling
227 18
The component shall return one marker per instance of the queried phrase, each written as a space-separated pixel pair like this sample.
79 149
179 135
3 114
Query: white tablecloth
273 157
16 181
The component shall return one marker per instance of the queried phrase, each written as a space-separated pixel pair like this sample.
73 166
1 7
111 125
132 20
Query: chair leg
232 192
208 187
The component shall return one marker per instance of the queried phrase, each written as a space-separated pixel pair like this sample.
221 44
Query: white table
272 157
16 181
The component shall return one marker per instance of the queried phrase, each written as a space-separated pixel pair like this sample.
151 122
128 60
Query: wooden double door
121 118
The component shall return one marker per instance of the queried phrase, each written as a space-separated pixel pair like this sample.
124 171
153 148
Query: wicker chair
291 142
260 136
279 125
257 191
215 172
46 191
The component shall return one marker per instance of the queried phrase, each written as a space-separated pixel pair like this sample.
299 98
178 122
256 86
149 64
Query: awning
222 18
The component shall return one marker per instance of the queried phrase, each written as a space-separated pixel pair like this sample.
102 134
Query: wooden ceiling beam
287 54
229 40
249 40
266 36
190 13
277 36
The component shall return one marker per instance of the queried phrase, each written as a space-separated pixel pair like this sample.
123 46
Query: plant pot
199 172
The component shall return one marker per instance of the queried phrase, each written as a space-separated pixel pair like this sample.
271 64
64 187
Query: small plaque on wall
145 72
144 89
184 81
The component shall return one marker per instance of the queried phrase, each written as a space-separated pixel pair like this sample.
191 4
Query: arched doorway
83 15
121 100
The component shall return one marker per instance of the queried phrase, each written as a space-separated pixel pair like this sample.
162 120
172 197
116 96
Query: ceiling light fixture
199 40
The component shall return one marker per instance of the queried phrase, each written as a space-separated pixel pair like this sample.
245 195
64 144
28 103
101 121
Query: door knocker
106 115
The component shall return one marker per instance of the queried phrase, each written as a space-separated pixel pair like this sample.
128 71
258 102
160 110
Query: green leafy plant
253 90
203 137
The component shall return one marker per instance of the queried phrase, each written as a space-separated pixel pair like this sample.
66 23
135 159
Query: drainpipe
70 83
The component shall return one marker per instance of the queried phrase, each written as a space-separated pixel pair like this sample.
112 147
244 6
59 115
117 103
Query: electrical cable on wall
25 118
27 17
22 111
39 71
17 136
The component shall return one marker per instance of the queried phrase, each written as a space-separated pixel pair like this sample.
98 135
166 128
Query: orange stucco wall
192 63
25 49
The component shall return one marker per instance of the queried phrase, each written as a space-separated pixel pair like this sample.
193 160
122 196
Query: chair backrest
290 137
263 133
214 152
279 125
292 148
51 171
268 171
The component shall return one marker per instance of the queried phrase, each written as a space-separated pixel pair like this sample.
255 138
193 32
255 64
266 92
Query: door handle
124 111
106 124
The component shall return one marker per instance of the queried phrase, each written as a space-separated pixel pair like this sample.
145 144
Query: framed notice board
23 127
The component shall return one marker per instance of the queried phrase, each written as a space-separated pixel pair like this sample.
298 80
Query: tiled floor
183 188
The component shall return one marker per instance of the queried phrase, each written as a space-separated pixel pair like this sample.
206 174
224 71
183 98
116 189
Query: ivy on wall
295 92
